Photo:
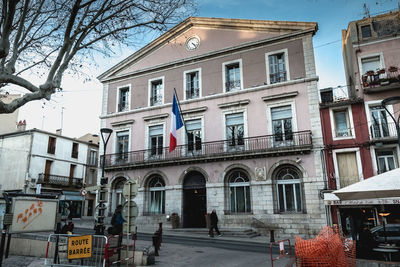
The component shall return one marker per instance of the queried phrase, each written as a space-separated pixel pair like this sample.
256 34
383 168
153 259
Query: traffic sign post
130 210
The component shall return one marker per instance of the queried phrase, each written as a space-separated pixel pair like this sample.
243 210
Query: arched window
156 195
288 188
239 191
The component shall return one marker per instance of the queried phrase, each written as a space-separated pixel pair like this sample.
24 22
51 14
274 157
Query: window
379 124
122 145
347 168
342 123
239 191
72 169
366 31
193 129
370 64
91 176
156 196
51 146
234 129
277 68
123 99
232 76
74 152
282 123
156 140
386 160
156 92
192 84
288 187
93 158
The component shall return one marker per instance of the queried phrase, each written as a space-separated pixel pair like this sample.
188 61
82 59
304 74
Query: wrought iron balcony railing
383 130
381 77
59 180
250 146
278 77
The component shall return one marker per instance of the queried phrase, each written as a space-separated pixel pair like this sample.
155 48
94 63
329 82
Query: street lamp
105 136
391 101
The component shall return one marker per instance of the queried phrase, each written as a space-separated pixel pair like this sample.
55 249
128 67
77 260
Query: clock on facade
192 43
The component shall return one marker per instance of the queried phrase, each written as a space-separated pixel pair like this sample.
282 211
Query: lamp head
391 100
106 131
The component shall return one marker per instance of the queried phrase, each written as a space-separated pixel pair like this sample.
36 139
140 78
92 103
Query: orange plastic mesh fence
329 249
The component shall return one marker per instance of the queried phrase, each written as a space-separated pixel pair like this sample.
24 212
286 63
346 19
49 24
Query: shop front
371 222
71 204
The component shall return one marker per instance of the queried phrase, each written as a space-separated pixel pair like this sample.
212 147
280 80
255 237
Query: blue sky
81 116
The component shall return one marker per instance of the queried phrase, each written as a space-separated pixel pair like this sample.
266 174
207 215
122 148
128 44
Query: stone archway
194 200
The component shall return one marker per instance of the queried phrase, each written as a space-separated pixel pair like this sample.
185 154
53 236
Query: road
183 251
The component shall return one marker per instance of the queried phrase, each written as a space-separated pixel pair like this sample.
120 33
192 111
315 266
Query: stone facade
270 179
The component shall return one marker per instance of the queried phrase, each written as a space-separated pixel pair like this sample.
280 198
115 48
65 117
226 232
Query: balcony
381 80
383 131
58 180
252 147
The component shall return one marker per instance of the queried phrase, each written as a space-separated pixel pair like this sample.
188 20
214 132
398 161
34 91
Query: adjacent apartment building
251 146
35 161
360 135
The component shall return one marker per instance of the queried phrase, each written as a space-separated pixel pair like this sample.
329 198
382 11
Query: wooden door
348 169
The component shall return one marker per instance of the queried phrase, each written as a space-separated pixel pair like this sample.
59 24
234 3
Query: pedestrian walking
214 224
117 221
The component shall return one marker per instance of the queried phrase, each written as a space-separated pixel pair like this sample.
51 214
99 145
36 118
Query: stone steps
242 232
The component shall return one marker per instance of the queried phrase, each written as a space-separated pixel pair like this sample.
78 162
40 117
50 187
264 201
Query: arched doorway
194 200
116 193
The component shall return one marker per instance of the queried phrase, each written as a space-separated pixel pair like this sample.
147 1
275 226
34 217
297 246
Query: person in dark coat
117 221
213 224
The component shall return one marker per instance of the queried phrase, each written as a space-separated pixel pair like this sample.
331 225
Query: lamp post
105 136
391 101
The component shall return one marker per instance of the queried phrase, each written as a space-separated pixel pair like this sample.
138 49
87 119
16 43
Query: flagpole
180 111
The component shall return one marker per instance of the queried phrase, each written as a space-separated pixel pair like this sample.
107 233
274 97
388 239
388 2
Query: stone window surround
360 58
128 129
279 103
373 103
335 163
147 136
393 147
184 82
129 97
286 55
150 83
227 63
333 125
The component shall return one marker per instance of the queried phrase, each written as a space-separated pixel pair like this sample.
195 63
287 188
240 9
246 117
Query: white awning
385 185
332 199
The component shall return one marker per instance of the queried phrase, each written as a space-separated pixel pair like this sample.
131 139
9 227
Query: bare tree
47 37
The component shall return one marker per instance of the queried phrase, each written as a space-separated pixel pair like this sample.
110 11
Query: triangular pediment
213 35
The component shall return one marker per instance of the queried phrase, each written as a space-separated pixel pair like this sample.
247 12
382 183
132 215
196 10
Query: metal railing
232 85
278 77
383 130
381 77
222 148
193 93
156 100
59 180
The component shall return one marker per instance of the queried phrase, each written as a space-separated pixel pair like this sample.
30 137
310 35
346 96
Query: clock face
192 43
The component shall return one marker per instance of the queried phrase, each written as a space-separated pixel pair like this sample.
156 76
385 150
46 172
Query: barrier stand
282 252
115 246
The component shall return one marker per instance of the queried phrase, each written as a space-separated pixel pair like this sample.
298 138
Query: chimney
21 126
59 131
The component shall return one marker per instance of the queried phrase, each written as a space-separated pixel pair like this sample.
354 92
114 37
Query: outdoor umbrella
383 185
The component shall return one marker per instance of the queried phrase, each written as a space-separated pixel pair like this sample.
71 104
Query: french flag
176 124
